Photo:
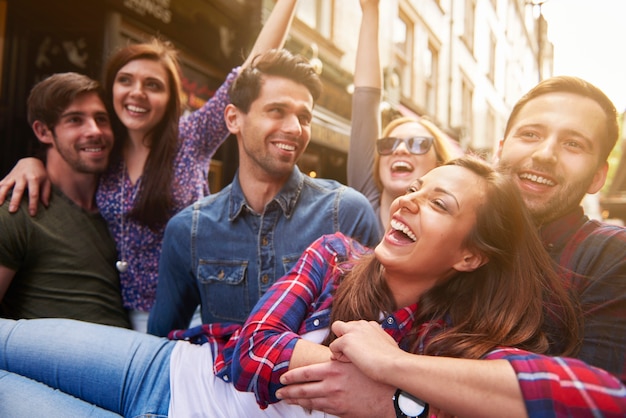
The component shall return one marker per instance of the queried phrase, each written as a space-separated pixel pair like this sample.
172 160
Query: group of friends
433 284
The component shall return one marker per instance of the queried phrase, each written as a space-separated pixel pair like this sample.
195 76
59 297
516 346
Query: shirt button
265 279
316 322
221 274
226 378
390 320
264 241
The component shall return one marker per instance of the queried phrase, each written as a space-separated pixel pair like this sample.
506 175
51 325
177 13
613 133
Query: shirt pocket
289 261
224 288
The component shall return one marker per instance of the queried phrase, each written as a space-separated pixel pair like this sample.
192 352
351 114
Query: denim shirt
221 254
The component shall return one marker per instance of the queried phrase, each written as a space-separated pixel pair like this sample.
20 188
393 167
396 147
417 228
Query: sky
589 38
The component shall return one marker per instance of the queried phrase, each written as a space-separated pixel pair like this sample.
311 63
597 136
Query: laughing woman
459 273
382 167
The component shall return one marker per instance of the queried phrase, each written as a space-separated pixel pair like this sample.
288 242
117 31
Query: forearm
367 72
467 388
275 29
365 105
265 348
306 353
567 386
365 130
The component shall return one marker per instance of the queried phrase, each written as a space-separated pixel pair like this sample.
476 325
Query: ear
498 154
598 178
471 261
232 116
43 133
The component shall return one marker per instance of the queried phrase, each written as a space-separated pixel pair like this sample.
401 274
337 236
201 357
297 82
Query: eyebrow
444 191
72 113
284 105
119 73
131 74
529 125
588 141
441 190
82 113
568 132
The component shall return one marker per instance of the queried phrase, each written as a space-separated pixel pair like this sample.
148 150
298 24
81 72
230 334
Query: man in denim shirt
226 250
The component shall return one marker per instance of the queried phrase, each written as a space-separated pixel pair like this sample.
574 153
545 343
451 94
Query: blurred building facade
461 63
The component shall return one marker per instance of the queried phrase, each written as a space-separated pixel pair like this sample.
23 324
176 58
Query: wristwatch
408 406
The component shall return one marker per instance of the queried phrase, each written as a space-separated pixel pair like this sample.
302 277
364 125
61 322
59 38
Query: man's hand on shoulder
28 173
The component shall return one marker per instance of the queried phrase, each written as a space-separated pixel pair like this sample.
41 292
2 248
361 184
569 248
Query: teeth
93 149
536 179
136 109
399 226
286 147
401 164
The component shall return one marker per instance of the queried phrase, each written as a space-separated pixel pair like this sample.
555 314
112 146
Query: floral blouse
200 135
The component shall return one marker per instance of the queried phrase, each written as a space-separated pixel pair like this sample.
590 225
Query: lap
23 397
117 369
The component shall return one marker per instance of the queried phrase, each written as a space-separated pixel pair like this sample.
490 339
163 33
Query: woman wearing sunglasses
408 148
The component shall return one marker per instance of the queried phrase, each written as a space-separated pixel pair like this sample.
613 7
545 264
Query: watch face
411 406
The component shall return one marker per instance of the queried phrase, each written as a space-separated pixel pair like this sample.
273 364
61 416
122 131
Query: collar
56 191
557 233
400 322
286 198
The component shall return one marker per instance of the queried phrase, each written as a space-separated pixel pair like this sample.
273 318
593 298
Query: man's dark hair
275 62
50 97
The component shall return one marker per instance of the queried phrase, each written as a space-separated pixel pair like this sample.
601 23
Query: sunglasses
416 144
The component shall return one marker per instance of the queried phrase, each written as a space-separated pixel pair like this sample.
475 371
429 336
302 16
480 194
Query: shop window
492 58
403 30
431 74
468 24
317 15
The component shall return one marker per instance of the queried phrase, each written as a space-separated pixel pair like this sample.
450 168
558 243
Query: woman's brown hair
155 204
516 299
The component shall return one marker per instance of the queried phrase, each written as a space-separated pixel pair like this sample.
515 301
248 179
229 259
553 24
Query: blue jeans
23 397
118 370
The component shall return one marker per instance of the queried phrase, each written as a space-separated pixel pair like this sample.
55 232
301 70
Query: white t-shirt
196 392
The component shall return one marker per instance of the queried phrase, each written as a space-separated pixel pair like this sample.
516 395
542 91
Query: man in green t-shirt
61 262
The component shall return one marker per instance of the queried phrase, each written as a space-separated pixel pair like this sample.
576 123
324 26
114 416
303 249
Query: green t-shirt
64 258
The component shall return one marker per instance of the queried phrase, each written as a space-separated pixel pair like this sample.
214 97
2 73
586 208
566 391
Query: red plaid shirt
596 253
255 356
564 387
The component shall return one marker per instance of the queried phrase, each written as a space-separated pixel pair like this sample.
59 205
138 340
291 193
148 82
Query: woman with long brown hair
459 273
